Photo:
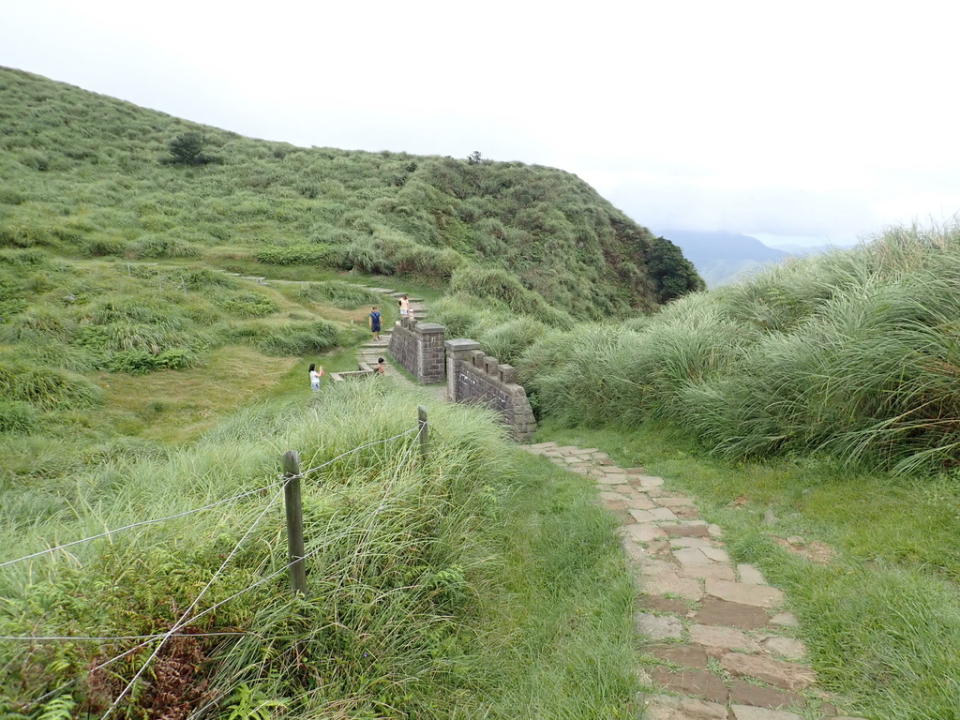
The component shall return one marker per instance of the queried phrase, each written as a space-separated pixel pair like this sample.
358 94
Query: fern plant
252 704
59 708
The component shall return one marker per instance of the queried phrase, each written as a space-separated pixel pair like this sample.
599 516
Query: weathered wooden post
424 427
291 496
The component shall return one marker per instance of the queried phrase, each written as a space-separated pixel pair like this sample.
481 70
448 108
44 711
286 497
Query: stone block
670 707
789 648
742 693
669 583
748 712
718 636
699 683
721 612
762 596
426 328
686 655
781 674
476 358
508 374
658 627
491 366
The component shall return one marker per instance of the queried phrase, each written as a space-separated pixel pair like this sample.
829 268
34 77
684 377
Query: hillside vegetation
138 381
421 601
814 412
89 175
853 354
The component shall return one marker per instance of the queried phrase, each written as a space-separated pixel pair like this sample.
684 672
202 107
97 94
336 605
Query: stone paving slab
724 637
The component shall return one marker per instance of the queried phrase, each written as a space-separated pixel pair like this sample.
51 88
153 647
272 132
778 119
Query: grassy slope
166 386
406 613
85 175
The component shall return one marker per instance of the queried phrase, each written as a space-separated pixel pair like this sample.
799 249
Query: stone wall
474 377
418 347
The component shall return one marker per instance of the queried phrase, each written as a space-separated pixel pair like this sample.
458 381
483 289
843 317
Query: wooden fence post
424 428
291 496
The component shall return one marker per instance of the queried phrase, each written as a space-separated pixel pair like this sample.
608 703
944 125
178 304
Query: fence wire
184 620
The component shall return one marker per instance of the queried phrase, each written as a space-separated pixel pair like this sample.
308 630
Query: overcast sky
800 121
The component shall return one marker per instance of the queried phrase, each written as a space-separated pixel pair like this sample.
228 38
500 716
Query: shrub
508 341
187 149
411 259
500 285
24 236
32 258
17 417
35 160
161 246
139 362
295 338
852 354
98 247
45 387
363 257
294 255
340 294
9 196
249 305
196 278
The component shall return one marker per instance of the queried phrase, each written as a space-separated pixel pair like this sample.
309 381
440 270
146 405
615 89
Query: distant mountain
721 257
804 250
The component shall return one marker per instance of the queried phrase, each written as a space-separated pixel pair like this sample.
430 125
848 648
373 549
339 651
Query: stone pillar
458 351
430 351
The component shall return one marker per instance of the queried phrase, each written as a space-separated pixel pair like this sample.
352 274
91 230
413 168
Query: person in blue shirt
375 322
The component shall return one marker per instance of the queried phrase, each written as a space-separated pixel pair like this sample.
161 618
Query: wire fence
189 617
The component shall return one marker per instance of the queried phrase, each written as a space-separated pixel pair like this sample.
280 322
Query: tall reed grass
855 354
396 547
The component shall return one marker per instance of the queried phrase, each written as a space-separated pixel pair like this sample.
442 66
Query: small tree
187 149
474 158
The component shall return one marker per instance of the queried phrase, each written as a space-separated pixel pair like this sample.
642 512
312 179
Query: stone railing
474 377
418 346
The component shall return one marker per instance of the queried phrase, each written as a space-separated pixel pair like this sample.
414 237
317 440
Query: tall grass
404 571
855 354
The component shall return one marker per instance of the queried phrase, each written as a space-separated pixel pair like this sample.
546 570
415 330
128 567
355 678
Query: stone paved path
723 645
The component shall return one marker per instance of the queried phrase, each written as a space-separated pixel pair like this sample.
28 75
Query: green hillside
89 175
137 381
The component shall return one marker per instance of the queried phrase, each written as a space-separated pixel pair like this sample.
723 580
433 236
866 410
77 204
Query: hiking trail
727 645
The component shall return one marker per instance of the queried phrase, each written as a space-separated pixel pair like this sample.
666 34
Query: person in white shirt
315 375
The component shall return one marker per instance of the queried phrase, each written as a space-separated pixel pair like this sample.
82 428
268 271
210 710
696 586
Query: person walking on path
315 375
375 322
404 303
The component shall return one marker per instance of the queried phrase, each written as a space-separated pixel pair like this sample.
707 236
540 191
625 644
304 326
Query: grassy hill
138 381
109 239
89 175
